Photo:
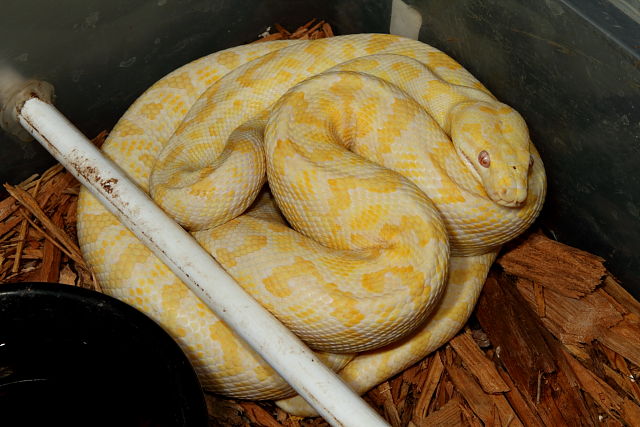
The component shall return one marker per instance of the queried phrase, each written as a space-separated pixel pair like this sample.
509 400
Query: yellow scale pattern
371 148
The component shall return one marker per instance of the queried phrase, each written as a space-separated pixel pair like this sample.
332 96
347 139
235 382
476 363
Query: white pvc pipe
279 347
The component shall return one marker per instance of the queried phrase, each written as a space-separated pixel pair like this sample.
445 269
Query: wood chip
279 28
29 182
316 26
390 410
428 388
32 206
29 253
540 305
302 30
517 333
574 321
449 415
270 37
24 225
623 375
326 28
524 408
566 270
623 338
620 294
51 255
478 364
615 405
50 173
48 237
7 207
308 31
492 409
22 235
470 418
9 226
561 393
67 276
99 139
262 417
224 412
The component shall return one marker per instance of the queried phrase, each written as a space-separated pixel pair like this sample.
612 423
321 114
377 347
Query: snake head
492 139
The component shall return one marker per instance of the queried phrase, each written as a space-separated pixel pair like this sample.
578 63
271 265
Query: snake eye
530 161
484 159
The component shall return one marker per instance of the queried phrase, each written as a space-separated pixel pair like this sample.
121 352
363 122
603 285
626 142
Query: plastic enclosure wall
569 66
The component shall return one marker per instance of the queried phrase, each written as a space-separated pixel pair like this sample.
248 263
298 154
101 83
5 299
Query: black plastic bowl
70 356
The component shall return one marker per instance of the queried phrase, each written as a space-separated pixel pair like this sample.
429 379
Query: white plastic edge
405 20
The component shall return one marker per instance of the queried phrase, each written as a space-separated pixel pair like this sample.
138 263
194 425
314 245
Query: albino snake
399 173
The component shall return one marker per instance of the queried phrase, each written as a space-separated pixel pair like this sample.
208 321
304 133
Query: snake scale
394 177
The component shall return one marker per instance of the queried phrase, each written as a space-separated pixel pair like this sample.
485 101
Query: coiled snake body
399 176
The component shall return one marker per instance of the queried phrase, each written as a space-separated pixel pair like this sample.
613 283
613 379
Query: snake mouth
510 197
495 196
